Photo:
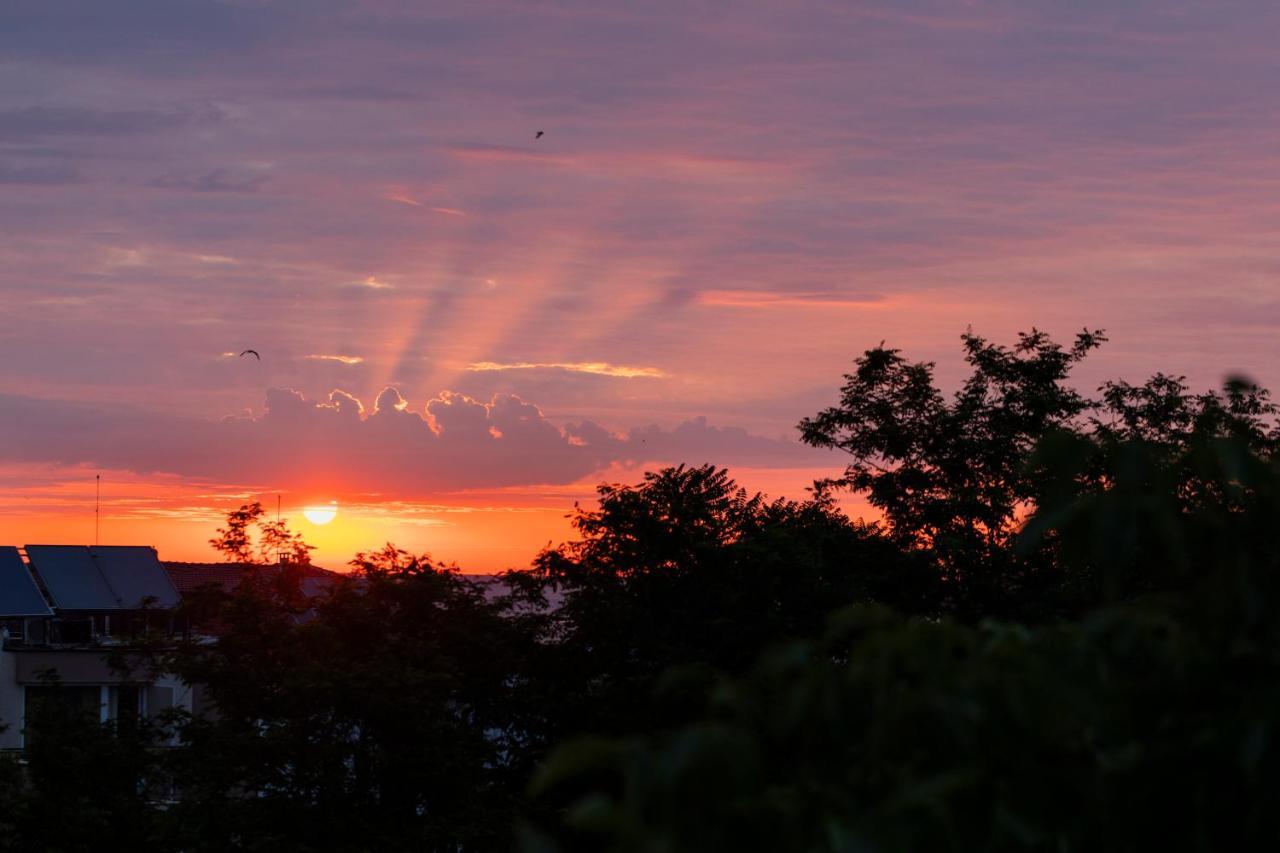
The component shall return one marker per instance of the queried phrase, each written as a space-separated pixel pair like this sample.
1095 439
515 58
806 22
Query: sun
321 514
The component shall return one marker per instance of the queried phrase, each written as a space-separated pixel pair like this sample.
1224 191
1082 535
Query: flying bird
538 135
254 352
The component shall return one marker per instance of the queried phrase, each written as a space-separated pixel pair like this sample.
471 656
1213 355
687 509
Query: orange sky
482 532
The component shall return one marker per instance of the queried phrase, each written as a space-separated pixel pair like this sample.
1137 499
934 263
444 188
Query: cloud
157 35
216 181
767 299
453 442
403 198
39 175
42 122
599 368
507 154
341 359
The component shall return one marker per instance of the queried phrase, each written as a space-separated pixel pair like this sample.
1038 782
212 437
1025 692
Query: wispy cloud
403 198
46 174
341 359
214 181
43 121
765 299
600 368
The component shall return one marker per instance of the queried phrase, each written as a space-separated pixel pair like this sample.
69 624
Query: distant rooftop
188 577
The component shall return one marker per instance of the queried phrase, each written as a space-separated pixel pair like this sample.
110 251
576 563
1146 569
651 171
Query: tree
15 796
949 476
87 783
689 570
1150 724
274 542
388 716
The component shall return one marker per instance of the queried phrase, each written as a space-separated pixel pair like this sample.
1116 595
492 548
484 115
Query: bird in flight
254 352
538 135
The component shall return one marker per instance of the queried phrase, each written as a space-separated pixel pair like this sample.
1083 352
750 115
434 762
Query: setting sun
321 514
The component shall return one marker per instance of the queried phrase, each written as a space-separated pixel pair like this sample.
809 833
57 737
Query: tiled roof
188 577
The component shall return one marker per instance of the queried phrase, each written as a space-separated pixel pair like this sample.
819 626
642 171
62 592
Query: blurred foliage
1148 724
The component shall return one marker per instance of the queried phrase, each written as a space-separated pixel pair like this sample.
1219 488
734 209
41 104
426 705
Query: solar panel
19 595
71 577
135 573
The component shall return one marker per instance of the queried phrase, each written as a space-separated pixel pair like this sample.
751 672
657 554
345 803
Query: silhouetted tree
14 796
274 542
86 784
389 718
950 476
1149 725
689 570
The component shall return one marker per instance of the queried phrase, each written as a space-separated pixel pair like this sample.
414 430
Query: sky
463 329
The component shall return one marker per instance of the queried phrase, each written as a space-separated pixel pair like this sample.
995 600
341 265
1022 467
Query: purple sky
730 202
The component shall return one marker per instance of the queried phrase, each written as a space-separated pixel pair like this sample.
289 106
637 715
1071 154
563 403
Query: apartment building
69 614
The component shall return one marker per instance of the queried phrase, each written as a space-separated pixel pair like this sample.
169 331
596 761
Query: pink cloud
453 442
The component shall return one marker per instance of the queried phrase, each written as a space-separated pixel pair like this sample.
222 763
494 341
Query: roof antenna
279 553
97 503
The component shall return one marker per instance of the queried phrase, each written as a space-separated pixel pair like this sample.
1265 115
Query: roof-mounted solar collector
135 574
72 577
19 595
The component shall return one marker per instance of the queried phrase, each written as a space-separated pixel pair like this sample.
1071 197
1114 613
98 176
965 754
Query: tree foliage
385 719
82 783
1150 724
689 570
949 474
272 543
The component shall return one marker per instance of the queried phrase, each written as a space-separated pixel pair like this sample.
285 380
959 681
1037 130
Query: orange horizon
482 532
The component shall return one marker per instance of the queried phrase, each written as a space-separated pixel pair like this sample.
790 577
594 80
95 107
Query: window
36 632
125 706
74 698
55 706
75 630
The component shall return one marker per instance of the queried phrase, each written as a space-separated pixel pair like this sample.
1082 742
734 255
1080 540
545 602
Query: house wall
73 667
20 668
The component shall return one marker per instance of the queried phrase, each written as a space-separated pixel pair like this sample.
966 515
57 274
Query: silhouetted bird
538 135
254 353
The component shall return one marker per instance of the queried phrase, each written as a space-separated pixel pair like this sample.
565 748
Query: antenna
97 503
277 509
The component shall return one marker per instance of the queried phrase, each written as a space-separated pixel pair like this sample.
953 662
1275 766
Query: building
64 611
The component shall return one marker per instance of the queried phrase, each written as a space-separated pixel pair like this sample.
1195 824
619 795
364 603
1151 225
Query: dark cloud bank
453 442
